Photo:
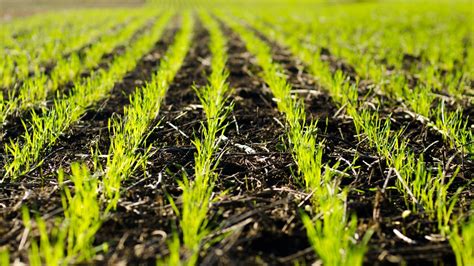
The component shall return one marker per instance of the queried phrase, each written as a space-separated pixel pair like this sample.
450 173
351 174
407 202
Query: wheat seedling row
239 133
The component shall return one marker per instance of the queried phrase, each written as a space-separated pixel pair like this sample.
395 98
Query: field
238 133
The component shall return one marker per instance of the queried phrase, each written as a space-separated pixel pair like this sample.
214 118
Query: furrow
320 179
151 178
255 168
198 189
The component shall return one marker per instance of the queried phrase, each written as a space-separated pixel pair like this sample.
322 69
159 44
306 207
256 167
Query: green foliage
394 59
426 192
462 242
4 257
453 127
43 131
129 132
196 197
401 60
333 240
327 200
71 239
363 45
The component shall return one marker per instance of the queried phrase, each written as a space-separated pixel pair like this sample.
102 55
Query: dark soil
339 135
36 190
262 199
13 126
261 204
137 230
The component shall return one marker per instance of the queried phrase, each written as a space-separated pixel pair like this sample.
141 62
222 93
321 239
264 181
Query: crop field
239 133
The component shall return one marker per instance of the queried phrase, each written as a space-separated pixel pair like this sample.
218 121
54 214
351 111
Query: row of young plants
197 191
450 125
129 133
23 30
25 153
407 34
425 192
34 91
38 49
439 73
330 231
71 239
20 33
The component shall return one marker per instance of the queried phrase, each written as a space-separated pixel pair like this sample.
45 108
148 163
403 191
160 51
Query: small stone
406 213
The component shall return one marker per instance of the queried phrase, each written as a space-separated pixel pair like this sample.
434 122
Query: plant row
36 50
196 196
71 239
426 191
418 99
42 131
33 92
329 230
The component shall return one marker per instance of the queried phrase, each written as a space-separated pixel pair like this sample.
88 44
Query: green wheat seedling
377 131
461 239
82 212
196 197
51 252
328 201
332 236
71 239
129 133
419 99
332 240
343 91
4 257
308 155
426 192
452 127
193 213
43 131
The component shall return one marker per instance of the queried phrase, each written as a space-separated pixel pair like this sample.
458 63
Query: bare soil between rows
262 199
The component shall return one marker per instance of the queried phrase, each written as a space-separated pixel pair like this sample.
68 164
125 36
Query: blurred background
10 9
15 8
